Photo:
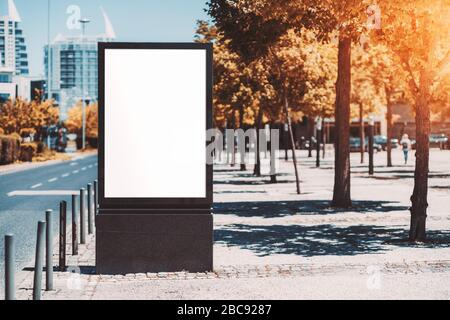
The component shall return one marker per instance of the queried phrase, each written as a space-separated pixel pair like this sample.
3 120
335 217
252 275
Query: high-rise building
12 43
72 67
13 54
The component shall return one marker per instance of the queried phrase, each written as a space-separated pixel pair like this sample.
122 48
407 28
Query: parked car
355 145
438 141
382 141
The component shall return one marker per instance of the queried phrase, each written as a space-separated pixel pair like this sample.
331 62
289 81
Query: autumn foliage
21 116
74 122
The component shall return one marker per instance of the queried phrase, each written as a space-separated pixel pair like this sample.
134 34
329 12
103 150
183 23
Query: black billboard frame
152 203
153 234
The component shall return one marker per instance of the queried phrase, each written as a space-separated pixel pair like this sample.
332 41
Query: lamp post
319 140
371 142
49 87
83 22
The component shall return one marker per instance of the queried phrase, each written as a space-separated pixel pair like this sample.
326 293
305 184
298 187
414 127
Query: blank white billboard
155 123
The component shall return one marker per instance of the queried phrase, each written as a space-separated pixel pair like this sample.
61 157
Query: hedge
9 150
28 151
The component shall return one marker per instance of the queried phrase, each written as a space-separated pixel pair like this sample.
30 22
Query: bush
28 151
15 136
27 132
40 147
10 149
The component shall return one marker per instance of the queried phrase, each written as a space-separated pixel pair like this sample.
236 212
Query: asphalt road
26 195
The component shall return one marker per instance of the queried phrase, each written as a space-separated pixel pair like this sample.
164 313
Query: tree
385 72
74 122
259 23
418 33
19 114
239 86
367 90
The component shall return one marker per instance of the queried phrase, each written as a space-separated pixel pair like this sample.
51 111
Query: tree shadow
227 170
251 175
240 192
69 269
379 176
320 240
250 182
276 209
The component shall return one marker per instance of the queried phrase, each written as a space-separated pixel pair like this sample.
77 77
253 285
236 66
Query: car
438 140
355 145
382 141
395 143
376 146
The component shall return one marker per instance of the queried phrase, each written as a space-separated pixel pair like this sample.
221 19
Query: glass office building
71 67
13 49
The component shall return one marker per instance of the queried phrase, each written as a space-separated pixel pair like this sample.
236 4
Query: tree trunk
389 129
419 198
291 135
324 140
362 135
233 152
273 158
311 124
341 194
257 169
241 126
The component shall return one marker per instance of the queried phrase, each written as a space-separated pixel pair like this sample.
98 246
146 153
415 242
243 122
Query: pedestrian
406 146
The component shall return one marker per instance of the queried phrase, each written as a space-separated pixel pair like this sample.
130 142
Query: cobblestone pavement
273 244
80 281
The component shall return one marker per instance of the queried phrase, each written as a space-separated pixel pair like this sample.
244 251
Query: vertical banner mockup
155 107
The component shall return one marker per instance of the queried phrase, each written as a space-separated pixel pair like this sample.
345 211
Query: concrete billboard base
141 241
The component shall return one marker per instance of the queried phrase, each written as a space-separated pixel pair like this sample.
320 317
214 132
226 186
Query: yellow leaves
20 114
75 117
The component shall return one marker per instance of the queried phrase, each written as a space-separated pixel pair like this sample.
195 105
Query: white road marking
96 164
36 186
53 180
90 166
76 171
73 163
83 169
65 175
43 193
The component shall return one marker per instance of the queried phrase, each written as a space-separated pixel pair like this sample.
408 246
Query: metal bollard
39 261
74 226
10 290
89 206
95 196
62 235
49 251
82 217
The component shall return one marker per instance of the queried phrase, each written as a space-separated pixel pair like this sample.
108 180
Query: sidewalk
271 243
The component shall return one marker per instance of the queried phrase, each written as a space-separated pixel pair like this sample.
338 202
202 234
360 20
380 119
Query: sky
133 20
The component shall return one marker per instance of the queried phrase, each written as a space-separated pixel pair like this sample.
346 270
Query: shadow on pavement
402 175
250 182
274 209
320 240
240 192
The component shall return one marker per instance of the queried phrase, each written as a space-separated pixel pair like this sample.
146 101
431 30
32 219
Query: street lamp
49 87
371 144
319 140
83 23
